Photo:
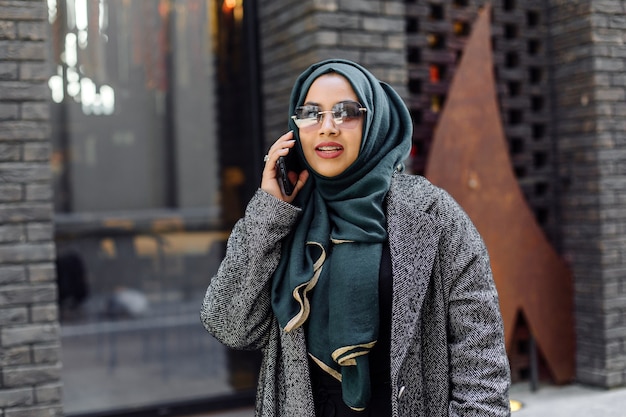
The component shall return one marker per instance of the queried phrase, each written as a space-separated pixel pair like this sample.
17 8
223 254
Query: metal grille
436 34
437 31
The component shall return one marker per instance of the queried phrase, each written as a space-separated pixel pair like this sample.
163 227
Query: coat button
401 391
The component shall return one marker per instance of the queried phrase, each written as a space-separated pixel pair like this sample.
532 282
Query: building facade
560 73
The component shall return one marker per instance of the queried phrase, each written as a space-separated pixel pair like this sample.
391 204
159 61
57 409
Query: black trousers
328 401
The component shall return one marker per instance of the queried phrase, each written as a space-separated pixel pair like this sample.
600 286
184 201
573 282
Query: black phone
283 179
283 166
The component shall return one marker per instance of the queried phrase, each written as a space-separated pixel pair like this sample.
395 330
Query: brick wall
29 329
590 86
295 34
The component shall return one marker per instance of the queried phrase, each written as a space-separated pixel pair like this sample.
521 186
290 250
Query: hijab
328 273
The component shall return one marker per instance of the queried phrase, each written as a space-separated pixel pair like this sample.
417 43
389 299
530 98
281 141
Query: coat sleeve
237 305
479 368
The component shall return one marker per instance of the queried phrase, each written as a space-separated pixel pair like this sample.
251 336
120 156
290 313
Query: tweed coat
447 344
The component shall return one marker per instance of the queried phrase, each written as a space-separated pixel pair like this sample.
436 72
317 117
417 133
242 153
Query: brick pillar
295 34
590 87
29 327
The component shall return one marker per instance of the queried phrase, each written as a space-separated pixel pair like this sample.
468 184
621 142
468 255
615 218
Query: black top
327 390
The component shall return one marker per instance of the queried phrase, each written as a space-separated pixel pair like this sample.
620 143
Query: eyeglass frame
320 114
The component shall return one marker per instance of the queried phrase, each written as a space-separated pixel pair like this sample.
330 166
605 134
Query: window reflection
95 99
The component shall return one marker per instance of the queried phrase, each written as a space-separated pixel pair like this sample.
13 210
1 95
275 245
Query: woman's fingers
279 148
302 178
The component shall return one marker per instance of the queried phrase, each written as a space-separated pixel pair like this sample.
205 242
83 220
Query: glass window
149 176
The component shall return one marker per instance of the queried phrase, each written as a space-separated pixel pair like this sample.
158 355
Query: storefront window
146 191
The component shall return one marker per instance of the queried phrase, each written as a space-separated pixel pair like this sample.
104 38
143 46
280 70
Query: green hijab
329 268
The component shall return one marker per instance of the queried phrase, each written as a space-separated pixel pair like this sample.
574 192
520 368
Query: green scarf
329 268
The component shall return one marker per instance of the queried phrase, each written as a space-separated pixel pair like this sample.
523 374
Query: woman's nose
328 124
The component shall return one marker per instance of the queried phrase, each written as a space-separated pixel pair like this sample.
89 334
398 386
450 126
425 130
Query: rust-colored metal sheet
469 158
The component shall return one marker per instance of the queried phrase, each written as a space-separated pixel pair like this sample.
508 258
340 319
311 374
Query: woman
369 291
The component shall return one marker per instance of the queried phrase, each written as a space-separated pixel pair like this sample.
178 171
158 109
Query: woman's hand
269 182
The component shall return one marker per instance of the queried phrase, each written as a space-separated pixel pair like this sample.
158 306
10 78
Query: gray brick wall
295 34
590 60
30 360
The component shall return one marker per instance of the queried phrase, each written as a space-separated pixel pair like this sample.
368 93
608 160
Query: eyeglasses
345 113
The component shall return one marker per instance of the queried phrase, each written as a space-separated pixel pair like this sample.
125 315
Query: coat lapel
413 241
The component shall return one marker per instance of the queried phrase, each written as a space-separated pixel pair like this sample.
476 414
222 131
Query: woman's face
328 147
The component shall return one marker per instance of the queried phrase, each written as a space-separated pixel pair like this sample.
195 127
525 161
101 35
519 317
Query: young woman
369 291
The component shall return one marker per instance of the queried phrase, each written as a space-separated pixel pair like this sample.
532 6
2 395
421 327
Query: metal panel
469 159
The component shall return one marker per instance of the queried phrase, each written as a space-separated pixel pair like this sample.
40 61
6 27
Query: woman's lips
328 150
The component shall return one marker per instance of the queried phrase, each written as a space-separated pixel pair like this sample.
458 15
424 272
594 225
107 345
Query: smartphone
283 179
283 166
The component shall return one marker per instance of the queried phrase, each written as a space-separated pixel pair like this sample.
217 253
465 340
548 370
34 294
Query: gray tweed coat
447 348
